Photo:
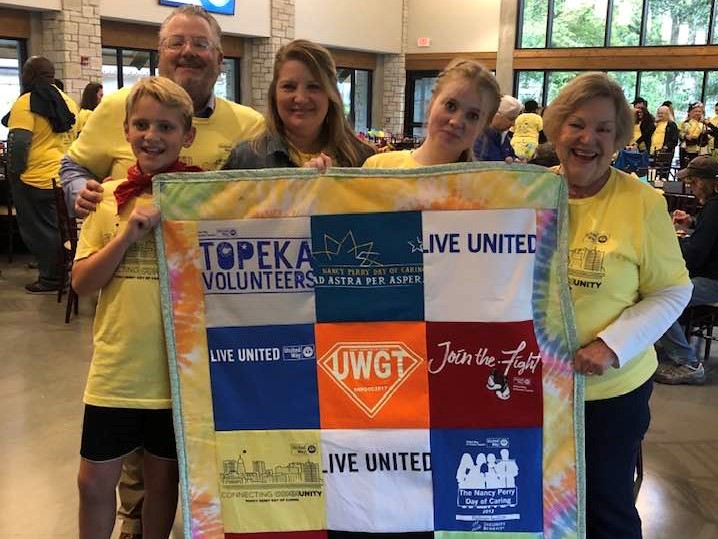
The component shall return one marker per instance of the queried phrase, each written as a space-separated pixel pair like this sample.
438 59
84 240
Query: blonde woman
464 99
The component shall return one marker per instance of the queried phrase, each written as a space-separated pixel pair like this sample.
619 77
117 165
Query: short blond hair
482 80
585 88
169 94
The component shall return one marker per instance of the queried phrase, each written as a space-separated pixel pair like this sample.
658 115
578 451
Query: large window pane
627 80
711 97
422 96
677 22
9 78
626 23
135 65
579 23
362 99
680 87
557 80
109 70
530 86
226 85
533 33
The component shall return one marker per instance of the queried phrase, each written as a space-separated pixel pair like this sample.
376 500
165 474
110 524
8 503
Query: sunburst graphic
362 252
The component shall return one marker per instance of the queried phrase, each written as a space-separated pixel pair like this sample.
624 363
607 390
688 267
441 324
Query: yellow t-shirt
82 119
47 147
397 159
102 148
622 246
692 128
129 361
636 133
527 126
659 136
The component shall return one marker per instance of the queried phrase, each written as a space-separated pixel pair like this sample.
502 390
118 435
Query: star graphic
418 246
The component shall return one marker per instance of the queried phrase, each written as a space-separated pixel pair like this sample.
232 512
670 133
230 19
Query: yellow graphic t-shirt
659 136
102 148
526 134
129 362
47 147
622 246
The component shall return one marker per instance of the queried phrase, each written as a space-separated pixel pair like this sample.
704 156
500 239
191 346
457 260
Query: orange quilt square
372 375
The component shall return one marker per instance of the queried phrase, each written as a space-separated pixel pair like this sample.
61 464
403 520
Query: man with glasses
190 54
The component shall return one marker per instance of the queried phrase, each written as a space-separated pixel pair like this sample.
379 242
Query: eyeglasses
197 44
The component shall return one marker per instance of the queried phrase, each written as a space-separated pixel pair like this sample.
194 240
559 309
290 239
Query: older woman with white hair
495 143
628 284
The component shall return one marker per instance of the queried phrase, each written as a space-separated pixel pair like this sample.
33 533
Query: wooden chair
68 247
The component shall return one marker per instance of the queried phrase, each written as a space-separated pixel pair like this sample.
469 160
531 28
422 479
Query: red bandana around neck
138 182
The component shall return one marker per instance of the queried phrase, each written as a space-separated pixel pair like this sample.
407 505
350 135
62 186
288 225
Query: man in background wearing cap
495 143
679 363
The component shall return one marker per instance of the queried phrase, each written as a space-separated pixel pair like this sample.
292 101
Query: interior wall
454 26
368 25
251 17
52 5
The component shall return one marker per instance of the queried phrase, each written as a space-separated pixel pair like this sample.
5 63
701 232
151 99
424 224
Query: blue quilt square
368 267
487 480
263 377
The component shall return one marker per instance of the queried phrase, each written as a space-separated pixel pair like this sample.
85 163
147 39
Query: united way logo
370 373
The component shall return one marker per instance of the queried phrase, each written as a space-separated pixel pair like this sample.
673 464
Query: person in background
91 97
679 363
463 100
495 142
60 85
664 141
41 128
643 125
693 134
190 54
127 396
669 104
527 128
545 156
306 125
628 284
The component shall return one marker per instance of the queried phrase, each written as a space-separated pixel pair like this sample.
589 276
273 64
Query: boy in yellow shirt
127 396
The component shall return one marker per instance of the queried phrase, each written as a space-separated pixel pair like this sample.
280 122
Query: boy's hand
321 162
141 221
89 198
681 218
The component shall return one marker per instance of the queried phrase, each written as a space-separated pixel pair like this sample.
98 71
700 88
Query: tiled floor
42 373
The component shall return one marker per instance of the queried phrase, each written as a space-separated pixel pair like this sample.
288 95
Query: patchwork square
478 265
257 271
271 481
393 465
484 375
372 375
487 480
368 267
263 377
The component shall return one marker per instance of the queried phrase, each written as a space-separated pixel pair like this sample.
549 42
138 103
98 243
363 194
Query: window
12 56
123 67
530 86
627 80
616 23
680 87
355 89
579 23
418 95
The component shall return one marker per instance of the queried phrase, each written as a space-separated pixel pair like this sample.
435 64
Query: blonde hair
582 89
169 94
194 11
337 133
483 82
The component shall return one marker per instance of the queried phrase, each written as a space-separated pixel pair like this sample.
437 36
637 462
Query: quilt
372 353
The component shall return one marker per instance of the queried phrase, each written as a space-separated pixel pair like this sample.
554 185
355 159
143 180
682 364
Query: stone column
68 36
507 39
264 49
395 81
